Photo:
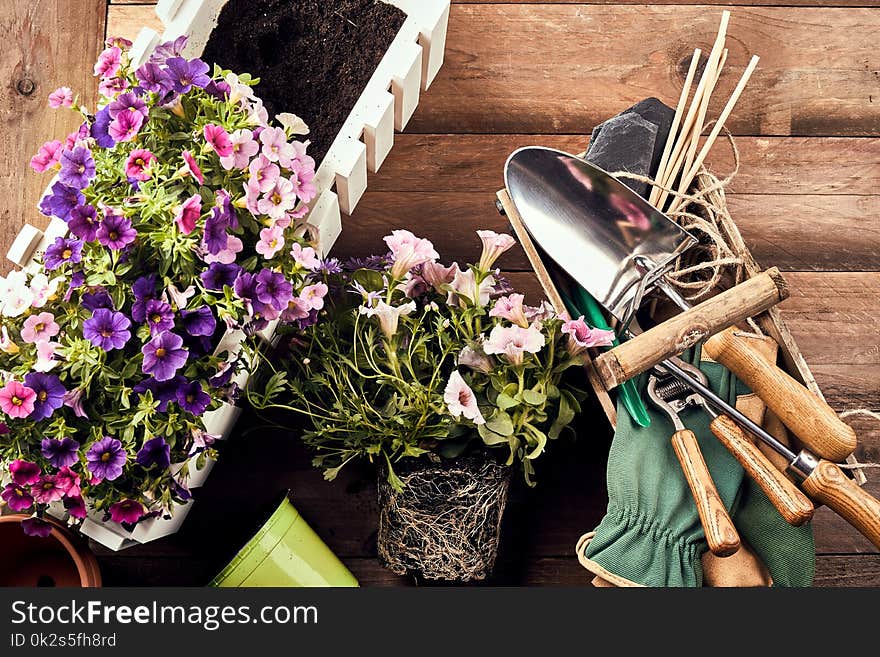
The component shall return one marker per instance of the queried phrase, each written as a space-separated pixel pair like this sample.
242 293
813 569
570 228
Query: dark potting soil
313 57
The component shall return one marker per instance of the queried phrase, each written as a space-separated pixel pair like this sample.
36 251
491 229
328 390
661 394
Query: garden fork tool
721 535
673 396
617 247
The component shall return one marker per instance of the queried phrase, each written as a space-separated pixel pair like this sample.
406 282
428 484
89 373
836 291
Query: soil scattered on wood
313 57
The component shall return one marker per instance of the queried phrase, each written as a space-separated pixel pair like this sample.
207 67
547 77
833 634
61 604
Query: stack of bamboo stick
680 159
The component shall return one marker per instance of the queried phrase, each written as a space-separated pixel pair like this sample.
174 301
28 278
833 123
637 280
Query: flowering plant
423 357
182 207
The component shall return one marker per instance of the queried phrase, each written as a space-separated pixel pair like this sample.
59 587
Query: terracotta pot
60 559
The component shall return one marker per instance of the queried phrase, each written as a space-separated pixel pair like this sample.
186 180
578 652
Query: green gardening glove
652 533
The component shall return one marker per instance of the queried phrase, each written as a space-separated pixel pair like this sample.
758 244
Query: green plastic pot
285 552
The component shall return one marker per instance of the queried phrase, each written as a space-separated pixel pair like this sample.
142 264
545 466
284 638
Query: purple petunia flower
106 458
185 74
158 316
215 237
274 289
83 222
74 401
223 377
219 275
101 129
180 491
107 329
97 298
153 77
200 321
63 250
36 527
220 90
60 453
77 167
155 452
168 49
61 202
77 280
17 497
115 231
163 356
163 391
144 290
191 398
198 345
128 102
50 394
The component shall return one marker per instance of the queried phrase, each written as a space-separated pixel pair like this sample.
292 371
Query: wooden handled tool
829 485
791 503
808 416
721 535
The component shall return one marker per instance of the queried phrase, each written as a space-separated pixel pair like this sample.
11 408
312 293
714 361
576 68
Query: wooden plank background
806 200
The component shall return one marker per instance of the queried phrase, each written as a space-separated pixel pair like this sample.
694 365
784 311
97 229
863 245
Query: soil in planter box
313 57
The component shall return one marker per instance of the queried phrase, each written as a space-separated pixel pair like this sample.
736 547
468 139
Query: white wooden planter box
367 136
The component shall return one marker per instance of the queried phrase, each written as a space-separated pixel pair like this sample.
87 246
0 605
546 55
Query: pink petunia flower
461 400
137 165
494 244
465 291
111 87
46 491
24 473
188 214
47 157
75 506
108 62
514 342
278 200
244 147
511 309
126 125
263 173
218 139
17 400
581 336
68 481
408 251
296 309
61 97
305 256
118 41
39 327
275 146
302 178
73 400
314 295
191 167
271 241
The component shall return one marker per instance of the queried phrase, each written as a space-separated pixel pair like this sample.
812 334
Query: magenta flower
49 394
39 327
24 473
83 222
111 87
106 458
46 491
107 329
188 214
408 251
120 42
191 398
128 102
278 200
108 62
461 400
77 167
511 308
16 400
582 337
184 75
159 316
191 167
244 147
127 511
60 453
163 356
115 232
514 342
305 256
125 126
36 527
67 480
75 506
494 244
61 97
218 139
271 241
47 157
17 497
138 164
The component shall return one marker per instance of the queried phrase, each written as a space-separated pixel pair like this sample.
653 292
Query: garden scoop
618 247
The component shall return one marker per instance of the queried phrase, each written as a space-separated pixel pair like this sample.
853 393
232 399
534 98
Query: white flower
42 288
512 342
464 289
16 295
388 315
292 124
494 244
460 399
46 356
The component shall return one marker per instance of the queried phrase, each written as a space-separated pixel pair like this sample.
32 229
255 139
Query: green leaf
534 398
501 423
541 438
505 402
567 406
490 437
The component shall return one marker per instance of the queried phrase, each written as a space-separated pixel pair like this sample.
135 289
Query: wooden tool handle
829 485
791 503
721 535
808 416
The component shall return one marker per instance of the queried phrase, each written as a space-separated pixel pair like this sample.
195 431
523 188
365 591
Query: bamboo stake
719 124
679 111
